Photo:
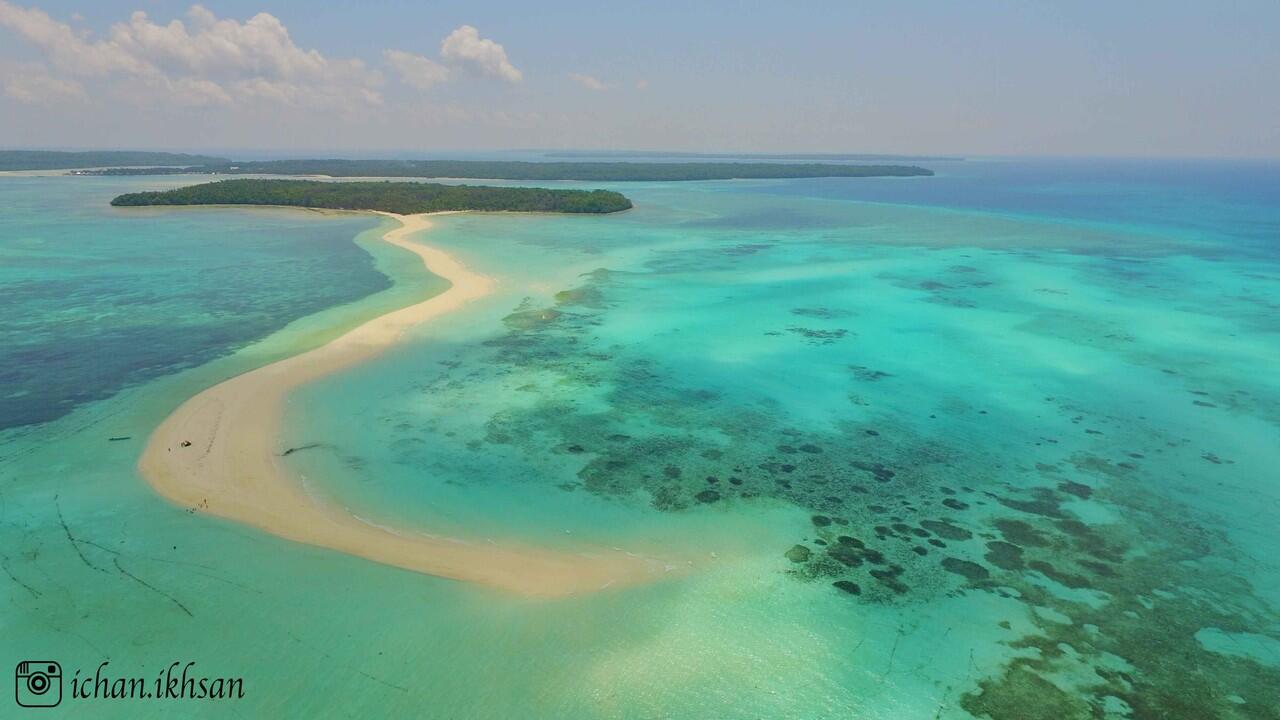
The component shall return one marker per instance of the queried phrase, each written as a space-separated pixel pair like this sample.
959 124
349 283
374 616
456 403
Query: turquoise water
996 443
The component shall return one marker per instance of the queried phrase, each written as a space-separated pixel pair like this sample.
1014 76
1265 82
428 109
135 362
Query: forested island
397 197
60 160
540 171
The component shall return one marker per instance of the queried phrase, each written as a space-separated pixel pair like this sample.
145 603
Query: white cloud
589 82
31 84
416 70
64 46
203 60
465 47
239 80
214 61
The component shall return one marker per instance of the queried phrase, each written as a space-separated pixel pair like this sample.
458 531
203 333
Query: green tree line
396 197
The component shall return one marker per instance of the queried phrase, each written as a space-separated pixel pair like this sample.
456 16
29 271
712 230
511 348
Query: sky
981 77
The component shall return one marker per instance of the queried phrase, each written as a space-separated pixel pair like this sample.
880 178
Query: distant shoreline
522 171
219 454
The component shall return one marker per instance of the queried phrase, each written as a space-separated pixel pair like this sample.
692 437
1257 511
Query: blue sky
978 77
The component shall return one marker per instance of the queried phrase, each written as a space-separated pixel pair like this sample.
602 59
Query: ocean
996 443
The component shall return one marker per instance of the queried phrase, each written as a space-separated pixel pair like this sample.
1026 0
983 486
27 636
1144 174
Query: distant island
538 171
827 157
403 198
60 160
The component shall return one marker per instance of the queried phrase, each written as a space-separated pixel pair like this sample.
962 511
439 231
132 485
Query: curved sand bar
231 466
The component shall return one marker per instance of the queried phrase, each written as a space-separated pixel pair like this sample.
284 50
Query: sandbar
219 454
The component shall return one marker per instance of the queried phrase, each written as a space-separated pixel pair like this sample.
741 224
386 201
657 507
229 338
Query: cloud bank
31 84
205 60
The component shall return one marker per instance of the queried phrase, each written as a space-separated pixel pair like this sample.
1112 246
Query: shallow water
1002 444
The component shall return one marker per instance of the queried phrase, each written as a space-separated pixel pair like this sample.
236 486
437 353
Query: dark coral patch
888 577
847 586
1023 694
799 554
1069 579
819 337
707 496
1090 542
867 374
944 529
821 312
1021 533
1003 555
845 555
881 473
971 571
532 319
1080 490
1044 502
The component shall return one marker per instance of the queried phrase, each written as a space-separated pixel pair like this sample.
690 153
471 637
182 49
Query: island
401 198
536 171
62 160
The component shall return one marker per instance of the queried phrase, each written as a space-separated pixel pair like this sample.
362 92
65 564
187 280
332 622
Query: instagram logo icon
38 683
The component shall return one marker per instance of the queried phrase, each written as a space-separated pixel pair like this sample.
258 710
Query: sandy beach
219 453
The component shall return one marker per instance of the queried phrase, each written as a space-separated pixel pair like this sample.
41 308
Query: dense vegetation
396 197
589 171
55 160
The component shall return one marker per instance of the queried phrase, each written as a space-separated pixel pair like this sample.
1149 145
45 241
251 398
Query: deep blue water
1219 199
94 299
